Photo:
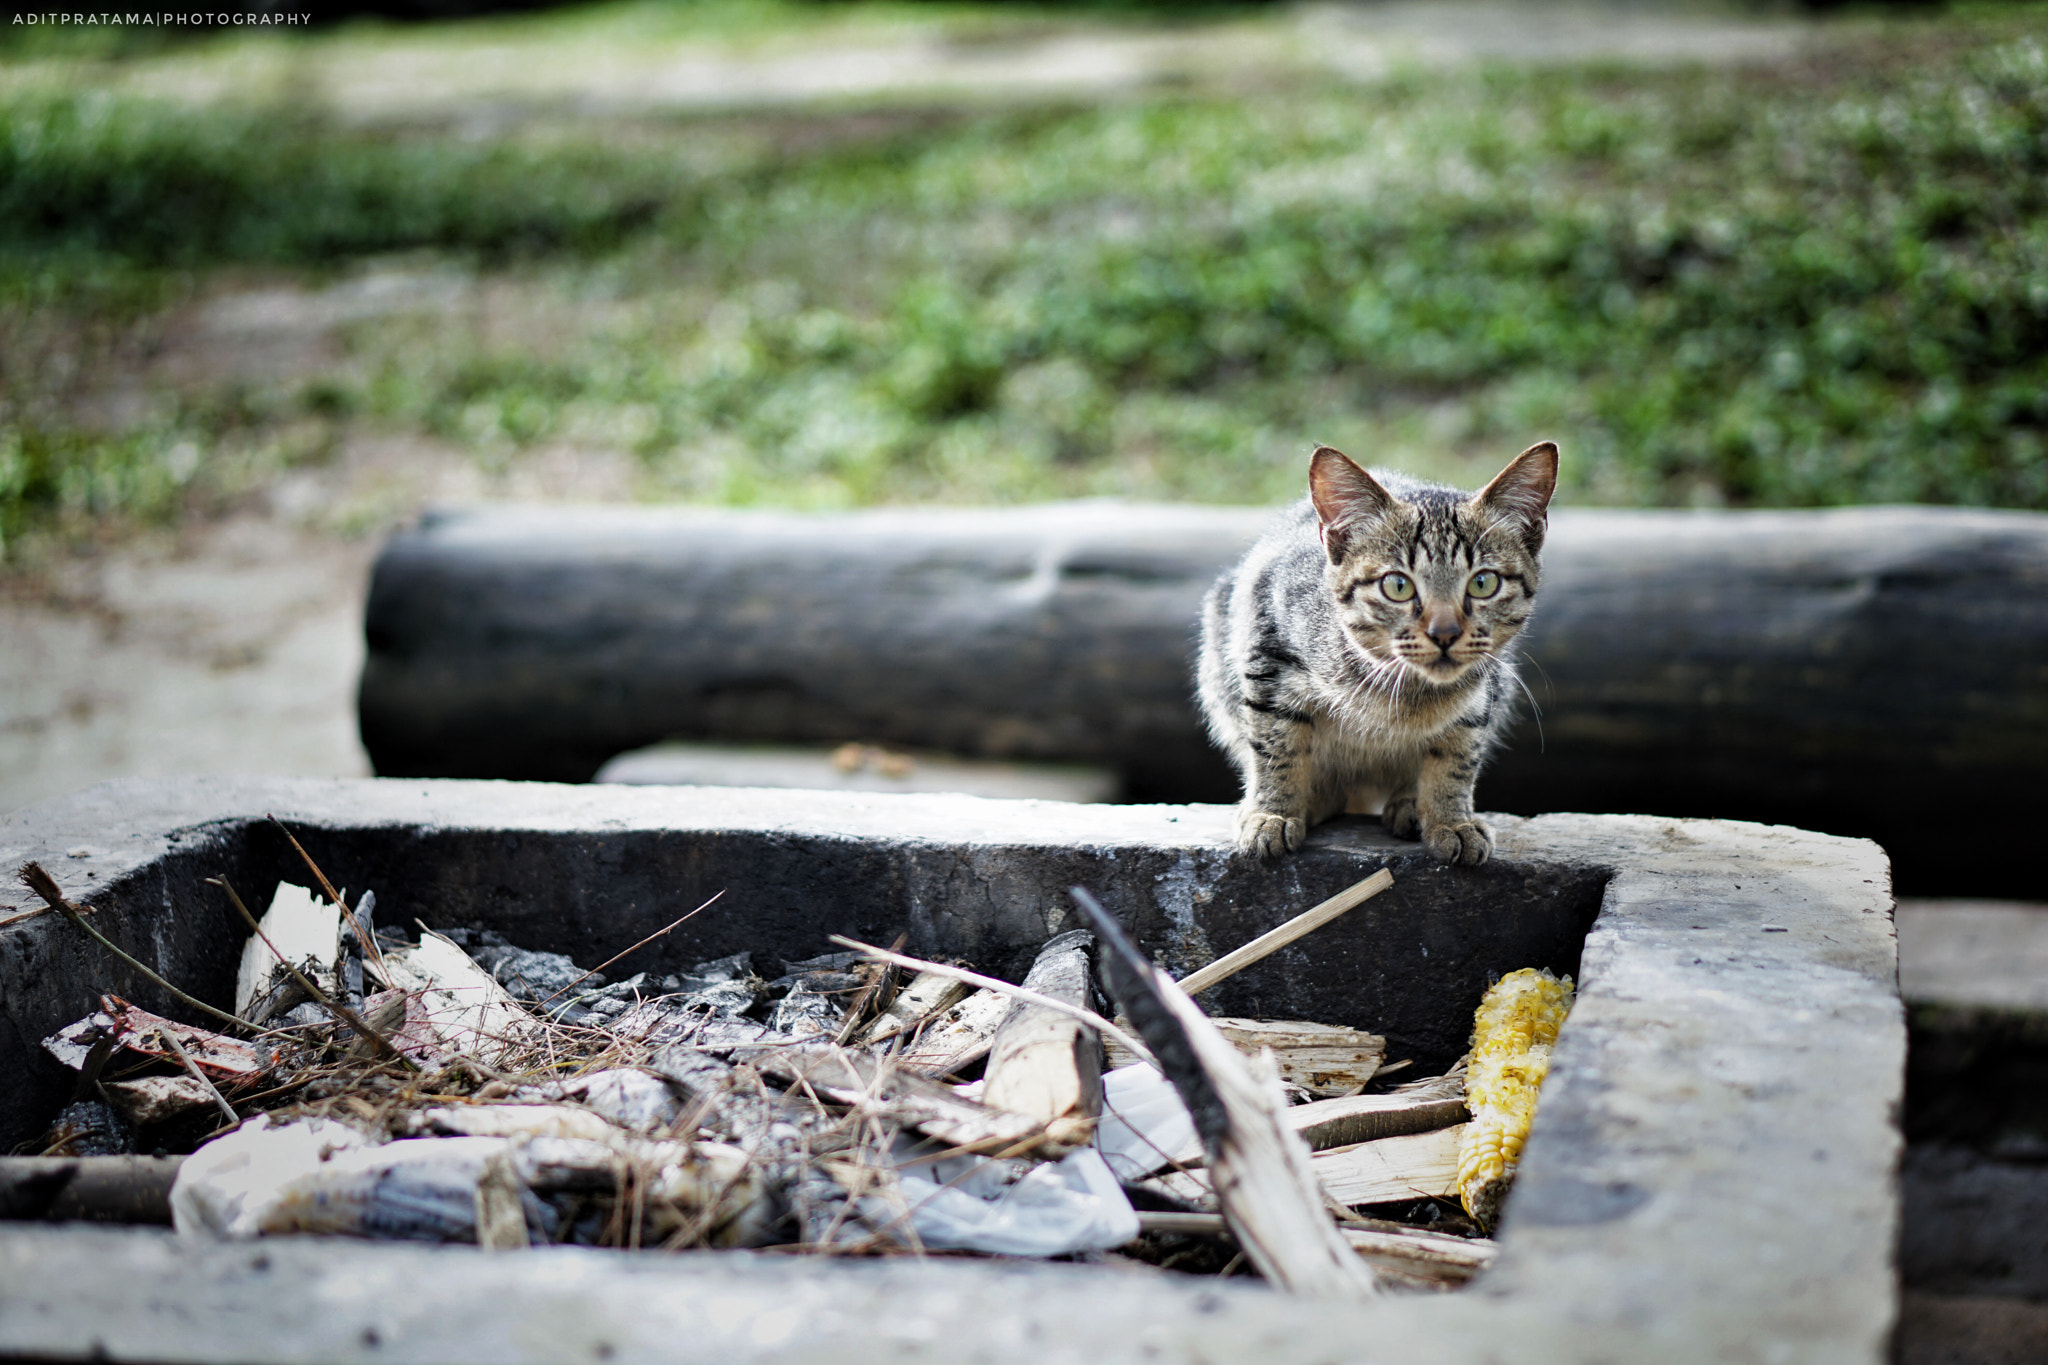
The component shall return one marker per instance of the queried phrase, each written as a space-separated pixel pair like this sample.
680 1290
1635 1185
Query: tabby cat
1364 649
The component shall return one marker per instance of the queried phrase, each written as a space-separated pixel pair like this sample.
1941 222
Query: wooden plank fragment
1413 1166
1368 1118
1425 1259
1045 1065
1324 1059
1260 1167
959 1037
1325 1124
927 994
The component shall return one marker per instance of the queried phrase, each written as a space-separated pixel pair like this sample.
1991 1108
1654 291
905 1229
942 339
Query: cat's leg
1278 783
1443 798
1400 815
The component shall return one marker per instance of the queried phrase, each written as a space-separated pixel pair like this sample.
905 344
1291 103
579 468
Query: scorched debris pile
451 1086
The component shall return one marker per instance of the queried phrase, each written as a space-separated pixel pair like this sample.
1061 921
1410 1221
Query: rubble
458 1087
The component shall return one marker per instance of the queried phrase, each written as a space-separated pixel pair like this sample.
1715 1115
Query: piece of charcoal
726 999
353 948
303 1016
738 967
630 991
824 962
826 972
529 976
88 1128
806 1012
726 987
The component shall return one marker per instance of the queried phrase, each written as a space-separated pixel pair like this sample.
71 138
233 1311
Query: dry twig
44 885
177 1048
368 941
622 952
990 983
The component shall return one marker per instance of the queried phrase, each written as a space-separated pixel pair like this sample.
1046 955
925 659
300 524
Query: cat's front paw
1269 835
1463 841
1402 818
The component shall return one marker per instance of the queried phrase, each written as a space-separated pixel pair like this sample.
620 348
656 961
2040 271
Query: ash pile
455 1087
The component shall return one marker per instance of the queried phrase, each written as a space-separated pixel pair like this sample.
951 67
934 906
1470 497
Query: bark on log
1872 671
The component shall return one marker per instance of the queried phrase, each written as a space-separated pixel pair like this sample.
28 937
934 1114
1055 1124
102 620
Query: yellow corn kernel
1512 1032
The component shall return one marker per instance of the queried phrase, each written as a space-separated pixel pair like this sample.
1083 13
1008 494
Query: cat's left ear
1523 489
1345 496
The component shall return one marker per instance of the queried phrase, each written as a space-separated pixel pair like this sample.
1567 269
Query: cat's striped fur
1363 651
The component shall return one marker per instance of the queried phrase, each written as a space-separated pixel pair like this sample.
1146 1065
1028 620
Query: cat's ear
1523 489
1345 497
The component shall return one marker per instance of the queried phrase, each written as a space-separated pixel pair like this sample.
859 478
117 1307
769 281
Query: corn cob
1512 1033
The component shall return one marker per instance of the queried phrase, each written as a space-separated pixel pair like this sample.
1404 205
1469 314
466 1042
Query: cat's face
1430 582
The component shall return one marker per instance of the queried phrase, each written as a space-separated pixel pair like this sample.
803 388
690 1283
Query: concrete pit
1711 1177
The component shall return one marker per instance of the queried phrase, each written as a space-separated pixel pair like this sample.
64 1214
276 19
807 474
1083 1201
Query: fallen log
539 642
1779 666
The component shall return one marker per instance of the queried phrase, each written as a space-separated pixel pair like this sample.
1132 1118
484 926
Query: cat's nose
1443 627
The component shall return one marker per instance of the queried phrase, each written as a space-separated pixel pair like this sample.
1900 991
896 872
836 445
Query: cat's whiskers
1535 708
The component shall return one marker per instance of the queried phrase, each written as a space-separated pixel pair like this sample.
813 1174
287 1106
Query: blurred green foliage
1803 284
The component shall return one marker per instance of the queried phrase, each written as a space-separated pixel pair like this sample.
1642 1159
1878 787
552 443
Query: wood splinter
1273 940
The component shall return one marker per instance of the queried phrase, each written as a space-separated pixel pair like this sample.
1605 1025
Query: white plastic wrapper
1010 1208
1144 1126
324 1177
224 1188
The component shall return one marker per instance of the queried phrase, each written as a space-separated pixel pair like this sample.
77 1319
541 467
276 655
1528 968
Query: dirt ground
234 644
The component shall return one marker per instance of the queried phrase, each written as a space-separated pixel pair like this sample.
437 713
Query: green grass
1788 286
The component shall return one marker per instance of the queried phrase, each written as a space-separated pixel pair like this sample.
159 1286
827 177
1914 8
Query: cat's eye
1397 587
1485 583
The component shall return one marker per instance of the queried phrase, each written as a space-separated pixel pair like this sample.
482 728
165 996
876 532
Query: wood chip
1044 1065
927 994
958 1038
1324 1059
1414 1166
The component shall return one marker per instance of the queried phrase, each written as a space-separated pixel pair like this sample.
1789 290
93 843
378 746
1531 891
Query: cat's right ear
1345 496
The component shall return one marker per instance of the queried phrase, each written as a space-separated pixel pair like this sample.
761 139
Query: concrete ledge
1712 1177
